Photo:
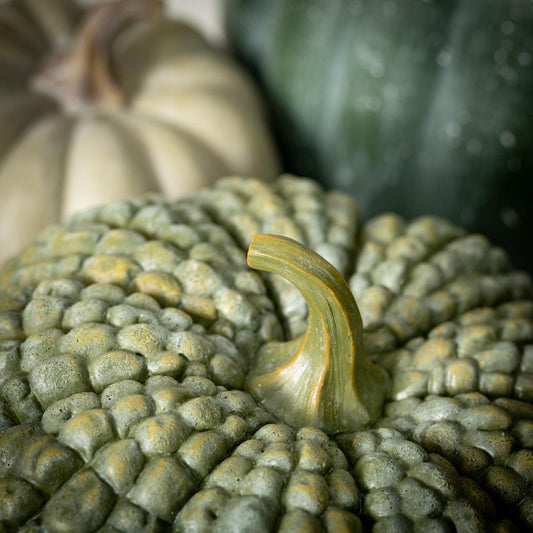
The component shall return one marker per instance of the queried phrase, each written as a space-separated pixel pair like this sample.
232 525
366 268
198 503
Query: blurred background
415 107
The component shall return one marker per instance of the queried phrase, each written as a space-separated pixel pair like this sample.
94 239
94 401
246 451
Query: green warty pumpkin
154 378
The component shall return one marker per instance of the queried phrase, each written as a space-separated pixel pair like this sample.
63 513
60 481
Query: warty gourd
152 381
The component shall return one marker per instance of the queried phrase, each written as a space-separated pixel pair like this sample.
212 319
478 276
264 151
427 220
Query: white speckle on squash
507 27
510 217
524 59
507 139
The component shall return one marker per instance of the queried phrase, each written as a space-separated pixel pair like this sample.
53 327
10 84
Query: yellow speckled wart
151 380
101 105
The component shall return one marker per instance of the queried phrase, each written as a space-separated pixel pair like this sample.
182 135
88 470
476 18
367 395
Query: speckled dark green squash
133 348
415 107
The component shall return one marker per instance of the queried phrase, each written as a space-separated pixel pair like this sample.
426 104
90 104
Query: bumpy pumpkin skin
171 115
414 107
126 334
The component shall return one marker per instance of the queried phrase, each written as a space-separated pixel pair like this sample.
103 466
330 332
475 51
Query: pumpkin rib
15 81
387 268
55 21
27 439
283 456
16 27
251 156
16 112
488 354
175 152
478 439
205 71
51 131
15 60
398 477
147 46
122 165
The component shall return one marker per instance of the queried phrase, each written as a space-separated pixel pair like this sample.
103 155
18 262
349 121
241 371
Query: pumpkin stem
80 76
324 378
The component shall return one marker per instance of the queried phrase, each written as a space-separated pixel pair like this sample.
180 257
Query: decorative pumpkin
414 107
102 105
152 381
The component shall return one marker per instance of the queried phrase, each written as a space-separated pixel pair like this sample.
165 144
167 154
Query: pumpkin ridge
11 20
265 276
210 166
173 107
398 475
485 353
18 104
53 24
50 130
136 178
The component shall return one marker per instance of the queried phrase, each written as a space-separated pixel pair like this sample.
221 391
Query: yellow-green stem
324 378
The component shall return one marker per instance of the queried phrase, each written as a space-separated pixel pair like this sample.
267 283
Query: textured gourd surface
127 332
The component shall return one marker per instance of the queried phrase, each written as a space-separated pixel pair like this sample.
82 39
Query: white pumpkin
97 106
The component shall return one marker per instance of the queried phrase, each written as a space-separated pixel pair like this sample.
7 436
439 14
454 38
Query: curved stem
80 76
324 378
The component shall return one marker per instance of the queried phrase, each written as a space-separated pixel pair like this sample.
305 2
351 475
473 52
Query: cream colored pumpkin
98 107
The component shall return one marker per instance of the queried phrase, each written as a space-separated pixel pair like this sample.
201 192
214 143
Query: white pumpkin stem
80 77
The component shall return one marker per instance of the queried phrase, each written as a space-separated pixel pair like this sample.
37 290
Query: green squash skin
127 335
414 108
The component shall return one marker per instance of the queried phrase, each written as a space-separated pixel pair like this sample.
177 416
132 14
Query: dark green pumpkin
415 107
